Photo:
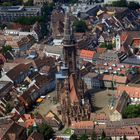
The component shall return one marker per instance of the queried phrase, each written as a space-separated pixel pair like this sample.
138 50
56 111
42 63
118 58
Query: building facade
12 13
41 2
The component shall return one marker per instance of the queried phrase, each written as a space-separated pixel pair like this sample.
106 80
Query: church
70 86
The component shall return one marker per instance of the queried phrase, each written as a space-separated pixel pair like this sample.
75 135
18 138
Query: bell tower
69 49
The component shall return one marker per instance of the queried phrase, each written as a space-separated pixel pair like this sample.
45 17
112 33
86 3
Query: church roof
73 92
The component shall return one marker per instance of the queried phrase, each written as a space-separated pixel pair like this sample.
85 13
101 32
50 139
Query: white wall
109 1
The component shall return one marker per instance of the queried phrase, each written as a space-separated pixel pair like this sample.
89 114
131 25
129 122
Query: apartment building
11 13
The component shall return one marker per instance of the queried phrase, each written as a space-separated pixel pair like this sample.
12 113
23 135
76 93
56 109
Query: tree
47 10
131 111
7 4
66 1
46 131
108 46
83 137
73 137
28 21
80 26
94 136
133 5
12 2
6 48
2 26
124 137
8 108
29 3
72 1
120 3
17 2
103 136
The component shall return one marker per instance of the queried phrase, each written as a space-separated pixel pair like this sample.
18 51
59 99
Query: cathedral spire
68 35
69 46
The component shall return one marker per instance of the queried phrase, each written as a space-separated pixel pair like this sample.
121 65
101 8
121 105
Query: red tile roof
115 78
123 37
128 131
87 54
99 116
73 93
120 79
133 92
82 125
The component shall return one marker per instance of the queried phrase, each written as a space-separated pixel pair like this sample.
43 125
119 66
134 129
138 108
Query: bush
108 46
80 26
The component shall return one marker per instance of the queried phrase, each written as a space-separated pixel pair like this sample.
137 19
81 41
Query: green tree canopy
29 3
80 26
133 5
72 1
8 108
7 4
103 136
46 130
6 48
66 1
83 137
11 2
2 26
108 46
73 137
120 3
124 137
131 111
47 9
123 3
94 136
28 21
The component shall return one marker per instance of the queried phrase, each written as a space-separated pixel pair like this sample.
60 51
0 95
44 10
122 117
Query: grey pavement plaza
47 104
100 99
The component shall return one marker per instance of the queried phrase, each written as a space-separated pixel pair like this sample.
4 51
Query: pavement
47 104
100 99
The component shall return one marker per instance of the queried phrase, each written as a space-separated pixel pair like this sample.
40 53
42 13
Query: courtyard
101 99
49 103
